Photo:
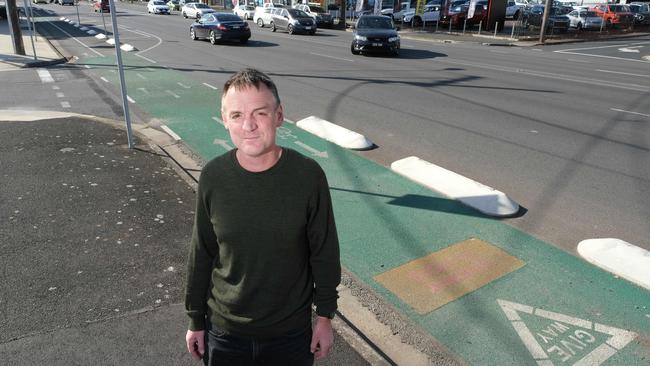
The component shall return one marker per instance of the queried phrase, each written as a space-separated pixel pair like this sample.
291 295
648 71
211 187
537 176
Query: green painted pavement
385 221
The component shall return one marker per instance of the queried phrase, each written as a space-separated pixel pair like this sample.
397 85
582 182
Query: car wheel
354 52
290 29
417 21
260 22
184 15
192 34
579 26
273 28
213 37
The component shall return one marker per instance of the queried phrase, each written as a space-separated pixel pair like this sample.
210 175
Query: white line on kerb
630 112
130 99
210 86
172 94
623 73
45 76
104 79
170 132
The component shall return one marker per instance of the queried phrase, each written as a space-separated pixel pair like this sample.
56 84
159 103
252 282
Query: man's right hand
195 341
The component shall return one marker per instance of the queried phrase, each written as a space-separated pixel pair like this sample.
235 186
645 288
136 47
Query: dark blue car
219 27
375 33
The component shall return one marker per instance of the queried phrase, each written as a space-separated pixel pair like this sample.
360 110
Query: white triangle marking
620 337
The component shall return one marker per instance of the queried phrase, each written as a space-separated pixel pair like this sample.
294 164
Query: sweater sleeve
324 249
200 259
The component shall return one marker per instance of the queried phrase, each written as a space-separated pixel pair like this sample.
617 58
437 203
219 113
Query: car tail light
221 27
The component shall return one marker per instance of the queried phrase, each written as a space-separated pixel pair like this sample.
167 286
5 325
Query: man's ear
279 115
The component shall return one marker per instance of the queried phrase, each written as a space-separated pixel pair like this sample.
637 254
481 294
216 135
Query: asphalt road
562 130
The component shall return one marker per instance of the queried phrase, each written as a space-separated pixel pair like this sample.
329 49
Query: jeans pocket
216 331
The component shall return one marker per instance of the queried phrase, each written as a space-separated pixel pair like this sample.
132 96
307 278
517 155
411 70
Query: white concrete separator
618 257
474 194
100 36
110 41
127 47
334 133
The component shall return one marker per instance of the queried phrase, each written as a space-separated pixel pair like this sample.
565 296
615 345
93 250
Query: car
101 6
40 1
641 13
157 7
584 19
219 26
556 22
515 8
293 21
65 2
174 5
457 16
195 10
431 13
244 11
615 15
322 17
375 33
263 14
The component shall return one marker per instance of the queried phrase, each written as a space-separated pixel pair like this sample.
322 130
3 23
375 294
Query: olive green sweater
264 246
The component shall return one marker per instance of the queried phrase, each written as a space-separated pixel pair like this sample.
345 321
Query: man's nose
249 123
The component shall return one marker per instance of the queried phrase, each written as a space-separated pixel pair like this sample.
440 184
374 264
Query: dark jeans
224 349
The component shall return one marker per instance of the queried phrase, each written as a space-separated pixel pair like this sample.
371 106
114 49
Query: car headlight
393 39
360 38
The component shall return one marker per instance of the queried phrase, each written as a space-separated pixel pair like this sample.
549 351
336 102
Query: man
264 243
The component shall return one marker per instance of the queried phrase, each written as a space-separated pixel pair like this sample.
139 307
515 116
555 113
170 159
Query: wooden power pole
14 27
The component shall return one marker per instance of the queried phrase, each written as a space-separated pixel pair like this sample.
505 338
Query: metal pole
14 27
77 6
512 33
103 20
496 27
120 67
29 26
437 21
479 28
464 25
31 15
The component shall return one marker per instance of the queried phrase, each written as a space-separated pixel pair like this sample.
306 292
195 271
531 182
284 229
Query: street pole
29 26
103 20
120 67
547 11
14 27
76 2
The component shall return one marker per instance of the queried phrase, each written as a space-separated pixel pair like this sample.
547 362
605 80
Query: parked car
375 33
101 6
195 10
157 7
262 14
641 13
322 17
174 5
65 2
40 1
556 22
244 11
615 15
431 13
584 19
219 27
514 8
457 15
293 21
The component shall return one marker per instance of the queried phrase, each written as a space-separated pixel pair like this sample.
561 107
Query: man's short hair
247 78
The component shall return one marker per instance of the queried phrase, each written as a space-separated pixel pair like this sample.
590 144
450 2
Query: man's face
252 117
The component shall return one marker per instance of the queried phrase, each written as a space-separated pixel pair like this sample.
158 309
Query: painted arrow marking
630 49
320 154
222 143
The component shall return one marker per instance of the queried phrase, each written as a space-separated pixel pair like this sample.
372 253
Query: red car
101 6
457 14
615 15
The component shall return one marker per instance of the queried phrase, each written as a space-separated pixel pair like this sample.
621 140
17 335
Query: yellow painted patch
430 282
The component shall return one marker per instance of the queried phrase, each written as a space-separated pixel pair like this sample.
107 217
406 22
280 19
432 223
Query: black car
375 33
556 22
641 14
219 27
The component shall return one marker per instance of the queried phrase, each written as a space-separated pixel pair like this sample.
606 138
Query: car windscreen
588 14
228 18
619 8
375 23
201 6
298 13
159 3
316 9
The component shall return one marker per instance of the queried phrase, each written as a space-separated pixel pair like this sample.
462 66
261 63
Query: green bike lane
489 292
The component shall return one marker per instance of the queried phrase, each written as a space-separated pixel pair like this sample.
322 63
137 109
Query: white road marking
601 56
629 49
623 73
146 58
143 90
75 38
130 99
210 86
140 76
576 60
55 87
45 76
336 58
170 132
183 85
172 94
218 120
65 104
60 95
630 112
601 47
104 79
222 143
86 66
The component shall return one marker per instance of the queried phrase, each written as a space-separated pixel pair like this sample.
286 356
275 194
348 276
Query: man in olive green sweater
264 243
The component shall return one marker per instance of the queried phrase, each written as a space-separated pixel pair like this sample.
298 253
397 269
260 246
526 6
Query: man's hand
195 342
322 338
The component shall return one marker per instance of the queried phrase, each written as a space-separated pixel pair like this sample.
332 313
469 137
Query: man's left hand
322 338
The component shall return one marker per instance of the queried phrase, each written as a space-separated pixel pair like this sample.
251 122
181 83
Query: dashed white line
65 104
630 112
218 120
172 94
60 95
74 38
183 85
140 76
45 76
623 73
104 79
210 86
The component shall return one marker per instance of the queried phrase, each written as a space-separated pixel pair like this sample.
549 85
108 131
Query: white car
514 9
195 10
244 11
263 14
157 7
584 19
431 13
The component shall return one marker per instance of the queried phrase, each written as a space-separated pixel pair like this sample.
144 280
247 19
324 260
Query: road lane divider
335 133
210 86
471 193
100 36
618 257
